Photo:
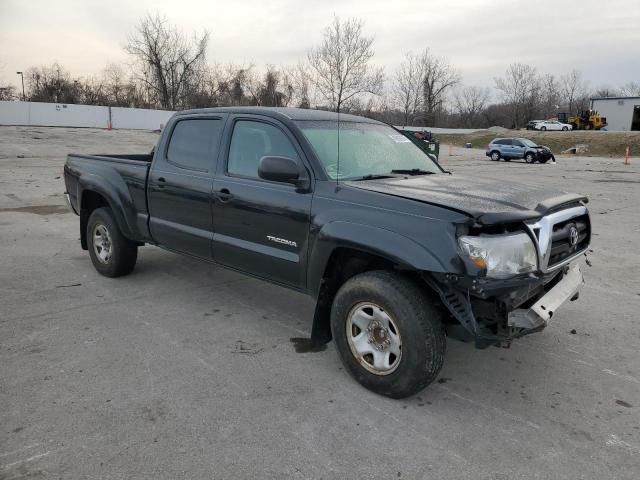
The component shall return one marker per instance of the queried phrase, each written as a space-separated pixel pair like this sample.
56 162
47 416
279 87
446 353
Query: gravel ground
183 370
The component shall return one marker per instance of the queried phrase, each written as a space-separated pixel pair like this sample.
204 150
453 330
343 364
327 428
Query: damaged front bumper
494 312
540 312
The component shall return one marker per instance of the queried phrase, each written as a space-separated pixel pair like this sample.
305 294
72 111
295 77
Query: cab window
194 144
253 140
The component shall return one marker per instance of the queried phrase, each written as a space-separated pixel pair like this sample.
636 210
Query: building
622 113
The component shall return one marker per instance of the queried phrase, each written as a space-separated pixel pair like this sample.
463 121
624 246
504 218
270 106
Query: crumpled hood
487 200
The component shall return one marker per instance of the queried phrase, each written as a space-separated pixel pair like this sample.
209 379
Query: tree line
169 70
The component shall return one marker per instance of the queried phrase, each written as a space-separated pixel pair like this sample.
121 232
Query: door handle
161 182
224 195
161 179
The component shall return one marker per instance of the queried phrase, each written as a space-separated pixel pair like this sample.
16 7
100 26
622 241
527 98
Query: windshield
528 142
365 149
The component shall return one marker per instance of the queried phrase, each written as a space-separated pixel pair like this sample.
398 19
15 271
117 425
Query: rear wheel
388 333
111 253
530 158
495 155
544 129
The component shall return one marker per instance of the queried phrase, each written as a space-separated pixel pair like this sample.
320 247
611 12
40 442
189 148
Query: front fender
390 245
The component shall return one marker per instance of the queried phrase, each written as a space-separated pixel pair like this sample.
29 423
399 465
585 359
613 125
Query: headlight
502 255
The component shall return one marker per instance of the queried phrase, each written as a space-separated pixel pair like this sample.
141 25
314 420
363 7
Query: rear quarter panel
122 184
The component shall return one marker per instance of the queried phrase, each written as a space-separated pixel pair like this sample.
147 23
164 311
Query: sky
601 38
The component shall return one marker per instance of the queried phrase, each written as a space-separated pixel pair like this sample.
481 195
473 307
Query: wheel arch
93 197
340 253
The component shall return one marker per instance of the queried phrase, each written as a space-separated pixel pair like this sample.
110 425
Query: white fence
67 115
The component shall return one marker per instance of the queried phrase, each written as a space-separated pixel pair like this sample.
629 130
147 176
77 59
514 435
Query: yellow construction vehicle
585 120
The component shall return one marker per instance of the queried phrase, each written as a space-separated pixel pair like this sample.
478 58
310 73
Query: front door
180 183
260 226
517 149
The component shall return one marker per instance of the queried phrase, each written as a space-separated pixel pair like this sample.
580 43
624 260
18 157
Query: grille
563 245
561 235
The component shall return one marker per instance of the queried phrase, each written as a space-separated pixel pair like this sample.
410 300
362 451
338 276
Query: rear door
261 227
505 147
180 182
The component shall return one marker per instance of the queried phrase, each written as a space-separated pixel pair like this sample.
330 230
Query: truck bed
122 178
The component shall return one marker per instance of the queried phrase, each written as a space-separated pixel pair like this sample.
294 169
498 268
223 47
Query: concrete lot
183 370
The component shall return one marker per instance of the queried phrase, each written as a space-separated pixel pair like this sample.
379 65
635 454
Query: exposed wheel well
90 201
343 264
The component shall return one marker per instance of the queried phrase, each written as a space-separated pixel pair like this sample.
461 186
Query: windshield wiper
412 171
373 176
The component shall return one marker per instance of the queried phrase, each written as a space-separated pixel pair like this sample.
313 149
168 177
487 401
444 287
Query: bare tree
340 65
51 84
630 89
8 92
167 62
117 87
606 91
92 91
439 77
470 102
550 96
573 88
408 87
300 80
519 89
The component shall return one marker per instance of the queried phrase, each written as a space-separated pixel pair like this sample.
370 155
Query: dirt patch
617 181
305 345
39 209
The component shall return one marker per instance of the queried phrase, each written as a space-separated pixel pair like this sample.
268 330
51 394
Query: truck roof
288 113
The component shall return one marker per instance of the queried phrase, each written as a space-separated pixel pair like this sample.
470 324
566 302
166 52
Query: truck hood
489 201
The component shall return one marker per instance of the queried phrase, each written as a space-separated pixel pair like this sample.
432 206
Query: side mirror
282 169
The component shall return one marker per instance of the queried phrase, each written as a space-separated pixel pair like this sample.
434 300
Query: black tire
495 155
544 129
530 158
118 255
418 323
564 129
543 160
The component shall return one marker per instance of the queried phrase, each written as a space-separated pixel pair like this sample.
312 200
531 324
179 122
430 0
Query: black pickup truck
397 252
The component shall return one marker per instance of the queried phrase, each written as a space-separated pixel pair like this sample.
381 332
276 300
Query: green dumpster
431 148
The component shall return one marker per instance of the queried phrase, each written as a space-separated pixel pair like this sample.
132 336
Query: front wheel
111 253
529 158
564 129
544 129
388 332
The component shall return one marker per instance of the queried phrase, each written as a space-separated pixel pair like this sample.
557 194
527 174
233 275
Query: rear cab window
194 143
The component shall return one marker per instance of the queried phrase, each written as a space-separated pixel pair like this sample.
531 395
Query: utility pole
22 76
